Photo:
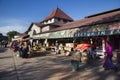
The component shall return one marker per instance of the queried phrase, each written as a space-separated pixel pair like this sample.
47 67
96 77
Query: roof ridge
101 13
58 13
56 10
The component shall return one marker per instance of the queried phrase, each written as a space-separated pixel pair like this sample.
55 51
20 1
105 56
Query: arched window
34 32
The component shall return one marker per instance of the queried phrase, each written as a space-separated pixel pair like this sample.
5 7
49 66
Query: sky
18 15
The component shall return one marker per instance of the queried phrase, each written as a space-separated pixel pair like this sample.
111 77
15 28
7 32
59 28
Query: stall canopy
44 35
91 30
24 37
36 36
99 30
63 33
98 33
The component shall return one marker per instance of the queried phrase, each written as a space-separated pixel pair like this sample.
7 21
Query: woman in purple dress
108 59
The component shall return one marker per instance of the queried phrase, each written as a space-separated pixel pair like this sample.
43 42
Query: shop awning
99 30
91 30
98 33
36 36
44 36
63 34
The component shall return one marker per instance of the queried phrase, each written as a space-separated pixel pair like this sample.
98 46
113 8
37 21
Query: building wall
52 27
61 21
45 28
115 41
34 28
50 21
53 20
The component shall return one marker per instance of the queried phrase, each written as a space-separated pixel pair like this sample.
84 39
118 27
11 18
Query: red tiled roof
107 17
39 24
58 13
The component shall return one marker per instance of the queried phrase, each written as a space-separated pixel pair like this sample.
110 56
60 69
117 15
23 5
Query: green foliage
11 34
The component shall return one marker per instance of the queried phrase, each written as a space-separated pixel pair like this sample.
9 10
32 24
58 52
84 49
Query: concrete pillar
103 44
91 41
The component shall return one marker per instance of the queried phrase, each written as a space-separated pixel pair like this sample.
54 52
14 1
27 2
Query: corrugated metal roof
108 17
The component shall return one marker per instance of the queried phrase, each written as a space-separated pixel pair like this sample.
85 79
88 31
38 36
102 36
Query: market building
94 29
56 19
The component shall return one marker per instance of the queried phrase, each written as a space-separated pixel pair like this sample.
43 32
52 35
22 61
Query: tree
11 34
1 37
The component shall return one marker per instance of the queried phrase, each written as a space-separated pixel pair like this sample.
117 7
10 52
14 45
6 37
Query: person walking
108 58
57 47
20 48
91 52
25 50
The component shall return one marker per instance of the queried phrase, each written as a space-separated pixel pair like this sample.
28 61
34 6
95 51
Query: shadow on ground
33 55
8 74
58 68
2 50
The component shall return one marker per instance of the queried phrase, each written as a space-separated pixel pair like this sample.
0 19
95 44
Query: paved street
50 67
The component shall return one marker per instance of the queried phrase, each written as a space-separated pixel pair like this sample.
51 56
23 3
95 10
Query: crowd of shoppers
3 43
24 46
21 47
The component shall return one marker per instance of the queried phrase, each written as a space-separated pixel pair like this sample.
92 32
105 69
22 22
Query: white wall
50 21
16 36
55 20
34 27
45 28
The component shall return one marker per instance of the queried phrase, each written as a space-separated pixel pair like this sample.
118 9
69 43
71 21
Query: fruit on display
37 49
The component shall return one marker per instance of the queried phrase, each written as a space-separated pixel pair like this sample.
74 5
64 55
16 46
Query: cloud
19 25
5 29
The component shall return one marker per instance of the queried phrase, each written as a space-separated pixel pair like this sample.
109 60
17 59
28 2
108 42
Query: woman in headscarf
108 58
